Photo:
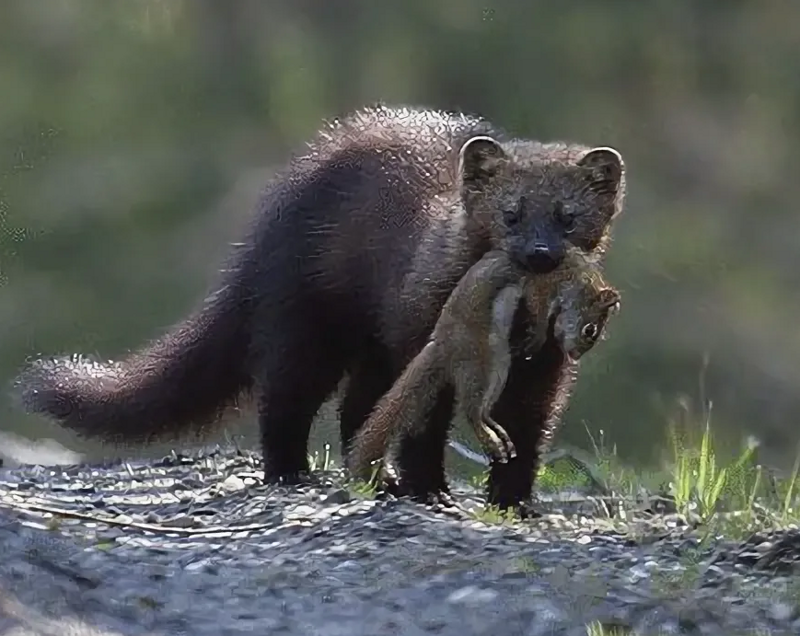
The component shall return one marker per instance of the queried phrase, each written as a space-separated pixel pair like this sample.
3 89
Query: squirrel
469 348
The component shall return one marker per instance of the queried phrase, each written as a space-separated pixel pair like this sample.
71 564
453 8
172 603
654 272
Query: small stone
206 565
233 483
347 565
782 612
548 618
338 496
302 512
472 594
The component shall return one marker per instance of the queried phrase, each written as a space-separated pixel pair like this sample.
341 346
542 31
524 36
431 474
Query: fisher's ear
606 168
479 161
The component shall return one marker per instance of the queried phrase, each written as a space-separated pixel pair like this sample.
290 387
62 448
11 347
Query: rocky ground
194 545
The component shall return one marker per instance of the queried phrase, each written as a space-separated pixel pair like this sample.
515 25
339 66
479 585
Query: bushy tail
401 409
181 382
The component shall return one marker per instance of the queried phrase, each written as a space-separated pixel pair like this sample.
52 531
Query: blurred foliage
135 135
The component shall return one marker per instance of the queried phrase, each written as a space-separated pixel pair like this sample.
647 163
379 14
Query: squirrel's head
540 197
582 317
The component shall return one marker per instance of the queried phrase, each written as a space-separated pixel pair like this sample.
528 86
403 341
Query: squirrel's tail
401 409
180 382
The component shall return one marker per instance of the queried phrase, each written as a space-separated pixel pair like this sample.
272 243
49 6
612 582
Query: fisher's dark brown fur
354 249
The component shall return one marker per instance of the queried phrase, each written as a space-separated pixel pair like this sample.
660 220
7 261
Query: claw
492 444
499 438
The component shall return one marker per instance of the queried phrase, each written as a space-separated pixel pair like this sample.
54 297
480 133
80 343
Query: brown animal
354 250
469 349
578 301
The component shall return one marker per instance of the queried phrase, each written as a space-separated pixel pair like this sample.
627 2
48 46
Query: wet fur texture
353 251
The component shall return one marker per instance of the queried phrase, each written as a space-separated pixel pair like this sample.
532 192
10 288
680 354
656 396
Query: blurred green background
136 135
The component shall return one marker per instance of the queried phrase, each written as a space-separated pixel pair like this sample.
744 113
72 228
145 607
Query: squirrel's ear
479 160
610 298
606 168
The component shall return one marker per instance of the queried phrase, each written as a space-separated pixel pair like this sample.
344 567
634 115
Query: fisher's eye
589 331
566 220
514 215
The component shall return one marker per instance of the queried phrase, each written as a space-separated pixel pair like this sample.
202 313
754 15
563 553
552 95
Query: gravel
194 544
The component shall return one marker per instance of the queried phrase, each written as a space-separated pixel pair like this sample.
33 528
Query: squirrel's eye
589 331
